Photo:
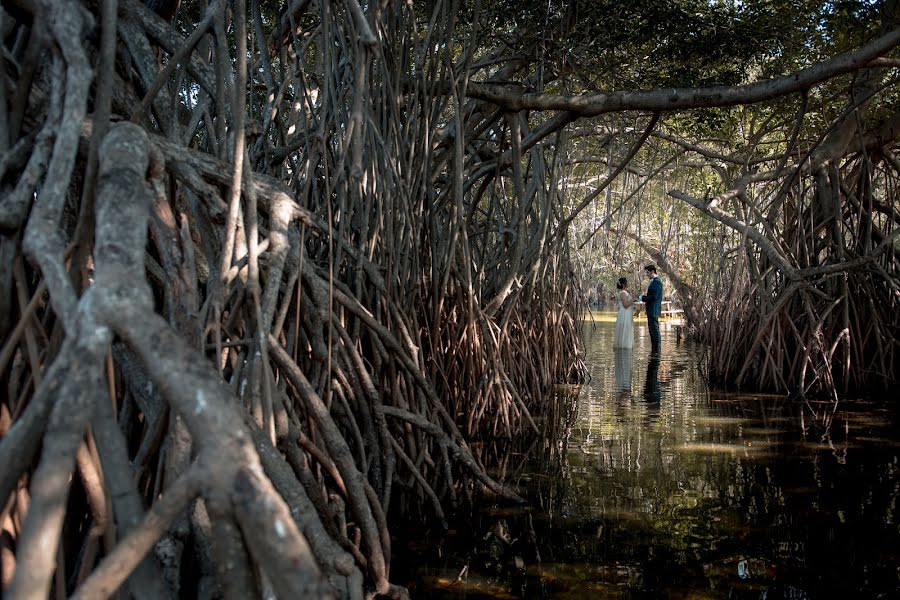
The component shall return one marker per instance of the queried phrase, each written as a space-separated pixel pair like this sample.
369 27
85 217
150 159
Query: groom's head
650 270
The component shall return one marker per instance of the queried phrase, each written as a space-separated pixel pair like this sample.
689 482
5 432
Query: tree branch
664 100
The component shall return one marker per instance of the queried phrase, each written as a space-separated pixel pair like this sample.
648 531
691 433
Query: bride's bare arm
626 299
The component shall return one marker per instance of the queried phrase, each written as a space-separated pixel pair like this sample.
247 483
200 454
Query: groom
653 304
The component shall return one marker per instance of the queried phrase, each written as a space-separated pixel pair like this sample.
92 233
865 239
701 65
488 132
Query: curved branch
664 100
763 242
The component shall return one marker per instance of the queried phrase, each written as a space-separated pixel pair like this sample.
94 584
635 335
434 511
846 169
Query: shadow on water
652 485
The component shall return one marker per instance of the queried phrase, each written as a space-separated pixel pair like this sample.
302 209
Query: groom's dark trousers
653 325
653 302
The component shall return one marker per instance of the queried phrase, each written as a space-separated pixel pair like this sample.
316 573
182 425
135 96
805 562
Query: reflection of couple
624 361
652 300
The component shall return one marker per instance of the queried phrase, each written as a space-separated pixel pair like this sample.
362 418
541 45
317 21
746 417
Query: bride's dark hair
621 283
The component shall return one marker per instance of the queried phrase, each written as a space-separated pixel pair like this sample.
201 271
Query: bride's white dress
625 325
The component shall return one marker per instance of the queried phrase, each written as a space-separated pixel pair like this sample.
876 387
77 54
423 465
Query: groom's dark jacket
653 298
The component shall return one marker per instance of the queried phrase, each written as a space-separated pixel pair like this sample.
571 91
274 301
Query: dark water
657 486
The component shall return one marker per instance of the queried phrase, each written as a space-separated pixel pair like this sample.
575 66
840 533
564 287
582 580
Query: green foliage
646 44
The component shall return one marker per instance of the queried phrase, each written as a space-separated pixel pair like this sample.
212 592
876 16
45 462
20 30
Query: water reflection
624 361
662 488
652 393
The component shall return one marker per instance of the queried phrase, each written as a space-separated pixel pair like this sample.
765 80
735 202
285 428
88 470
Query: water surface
656 486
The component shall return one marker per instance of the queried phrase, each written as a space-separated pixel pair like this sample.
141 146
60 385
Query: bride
625 318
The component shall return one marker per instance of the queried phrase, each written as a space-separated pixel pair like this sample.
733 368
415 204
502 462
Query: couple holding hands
652 303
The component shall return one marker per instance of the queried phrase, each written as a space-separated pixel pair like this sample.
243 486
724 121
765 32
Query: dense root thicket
797 289
802 290
261 281
796 286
